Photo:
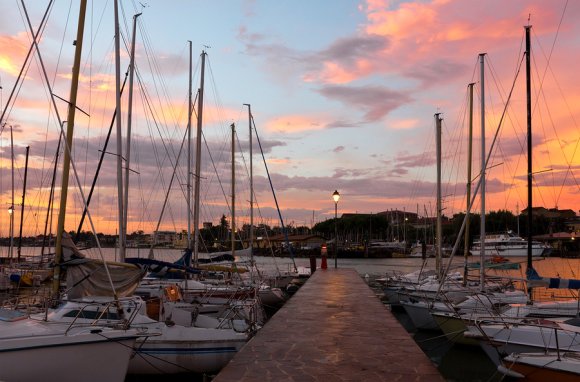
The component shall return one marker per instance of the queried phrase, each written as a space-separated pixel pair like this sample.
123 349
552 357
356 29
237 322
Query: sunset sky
343 95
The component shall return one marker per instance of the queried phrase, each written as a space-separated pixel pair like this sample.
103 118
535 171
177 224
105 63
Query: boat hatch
92 315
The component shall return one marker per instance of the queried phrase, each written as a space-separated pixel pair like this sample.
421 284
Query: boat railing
242 303
533 322
32 301
246 310
110 314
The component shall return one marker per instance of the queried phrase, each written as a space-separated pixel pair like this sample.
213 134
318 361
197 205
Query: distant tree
224 222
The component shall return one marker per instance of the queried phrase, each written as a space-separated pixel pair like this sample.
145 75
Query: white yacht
509 244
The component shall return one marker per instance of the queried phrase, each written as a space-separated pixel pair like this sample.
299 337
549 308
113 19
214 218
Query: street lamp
335 196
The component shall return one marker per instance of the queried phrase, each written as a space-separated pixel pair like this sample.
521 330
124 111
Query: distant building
397 217
551 213
180 240
164 238
573 225
297 241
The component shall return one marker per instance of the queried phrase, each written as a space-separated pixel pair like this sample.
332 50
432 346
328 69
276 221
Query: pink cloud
295 124
13 49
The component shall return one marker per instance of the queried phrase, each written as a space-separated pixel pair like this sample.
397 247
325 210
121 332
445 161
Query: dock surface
333 329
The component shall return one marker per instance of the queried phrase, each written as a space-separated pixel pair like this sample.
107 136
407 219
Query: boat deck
333 329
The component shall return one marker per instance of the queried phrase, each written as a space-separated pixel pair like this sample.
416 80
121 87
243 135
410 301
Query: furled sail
537 281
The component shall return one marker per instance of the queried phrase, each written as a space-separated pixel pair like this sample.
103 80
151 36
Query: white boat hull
420 314
186 350
502 339
520 251
66 358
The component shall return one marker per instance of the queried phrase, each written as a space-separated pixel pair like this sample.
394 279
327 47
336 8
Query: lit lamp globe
335 196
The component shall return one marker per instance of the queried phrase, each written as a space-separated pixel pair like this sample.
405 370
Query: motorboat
509 244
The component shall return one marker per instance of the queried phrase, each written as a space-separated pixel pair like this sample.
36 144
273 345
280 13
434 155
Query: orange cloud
279 161
400 22
404 124
13 49
334 73
294 124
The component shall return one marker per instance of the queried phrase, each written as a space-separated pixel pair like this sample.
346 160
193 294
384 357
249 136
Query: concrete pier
333 329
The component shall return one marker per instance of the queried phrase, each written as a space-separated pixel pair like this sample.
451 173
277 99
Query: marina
323 305
145 244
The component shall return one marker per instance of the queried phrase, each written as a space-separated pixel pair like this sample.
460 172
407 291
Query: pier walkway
333 329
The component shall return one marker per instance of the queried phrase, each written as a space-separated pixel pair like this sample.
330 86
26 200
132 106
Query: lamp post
335 196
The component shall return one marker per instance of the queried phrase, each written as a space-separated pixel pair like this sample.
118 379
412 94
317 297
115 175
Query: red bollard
323 264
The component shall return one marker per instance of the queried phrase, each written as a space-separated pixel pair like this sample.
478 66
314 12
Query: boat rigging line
275 198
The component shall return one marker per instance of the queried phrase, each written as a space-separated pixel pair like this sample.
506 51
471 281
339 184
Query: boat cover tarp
88 277
535 281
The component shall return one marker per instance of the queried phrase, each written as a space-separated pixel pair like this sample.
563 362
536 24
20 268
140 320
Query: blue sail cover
535 280
163 269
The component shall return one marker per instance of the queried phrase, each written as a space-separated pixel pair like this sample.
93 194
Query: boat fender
509 373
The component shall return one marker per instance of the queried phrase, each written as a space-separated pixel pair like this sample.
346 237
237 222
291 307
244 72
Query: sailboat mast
23 199
69 137
251 187
50 201
128 141
119 134
198 163
11 210
482 227
233 126
189 113
439 230
529 123
468 197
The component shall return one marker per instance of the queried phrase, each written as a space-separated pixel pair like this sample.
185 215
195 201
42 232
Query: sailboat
441 292
561 366
196 335
65 351
503 335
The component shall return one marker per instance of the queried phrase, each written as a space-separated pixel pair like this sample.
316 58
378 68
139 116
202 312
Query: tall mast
189 113
69 138
233 126
23 199
529 120
119 136
198 163
482 228
128 142
439 230
468 197
11 210
251 187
